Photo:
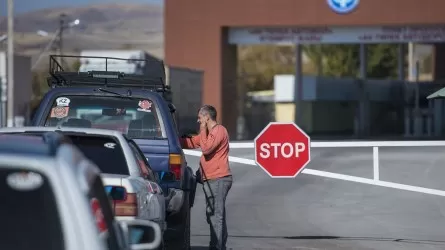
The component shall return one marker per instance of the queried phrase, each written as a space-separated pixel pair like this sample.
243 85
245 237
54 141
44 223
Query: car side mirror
142 234
171 107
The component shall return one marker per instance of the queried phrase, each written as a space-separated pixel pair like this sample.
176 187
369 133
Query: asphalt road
311 212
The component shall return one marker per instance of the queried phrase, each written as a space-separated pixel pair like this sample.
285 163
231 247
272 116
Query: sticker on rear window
63 101
59 112
110 145
144 106
24 181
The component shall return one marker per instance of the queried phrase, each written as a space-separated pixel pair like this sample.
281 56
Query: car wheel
181 238
186 236
162 246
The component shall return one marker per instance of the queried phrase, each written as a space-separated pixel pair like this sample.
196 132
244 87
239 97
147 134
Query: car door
143 163
108 227
150 176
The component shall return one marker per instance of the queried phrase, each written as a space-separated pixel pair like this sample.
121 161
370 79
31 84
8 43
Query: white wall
333 89
22 82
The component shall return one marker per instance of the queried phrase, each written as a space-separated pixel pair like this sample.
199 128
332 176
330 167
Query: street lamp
3 38
74 23
62 26
43 33
10 83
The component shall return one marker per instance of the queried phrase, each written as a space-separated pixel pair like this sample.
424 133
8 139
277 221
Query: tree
76 65
39 84
344 60
427 63
258 64
382 61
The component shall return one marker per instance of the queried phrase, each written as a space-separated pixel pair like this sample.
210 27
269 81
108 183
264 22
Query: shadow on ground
400 240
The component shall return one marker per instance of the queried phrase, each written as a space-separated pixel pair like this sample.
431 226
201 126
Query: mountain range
23 6
101 26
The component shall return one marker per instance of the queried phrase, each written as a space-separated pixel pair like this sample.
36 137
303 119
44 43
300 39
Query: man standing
215 172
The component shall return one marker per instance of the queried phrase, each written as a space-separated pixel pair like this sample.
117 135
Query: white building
22 87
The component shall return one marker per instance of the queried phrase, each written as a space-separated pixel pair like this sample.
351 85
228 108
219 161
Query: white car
53 199
122 165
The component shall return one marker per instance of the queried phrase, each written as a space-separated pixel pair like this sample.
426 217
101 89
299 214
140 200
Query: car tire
194 185
162 246
186 236
181 240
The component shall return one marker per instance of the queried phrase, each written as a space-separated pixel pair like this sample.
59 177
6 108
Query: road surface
311 212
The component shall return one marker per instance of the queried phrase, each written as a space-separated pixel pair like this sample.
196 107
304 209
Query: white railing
375 145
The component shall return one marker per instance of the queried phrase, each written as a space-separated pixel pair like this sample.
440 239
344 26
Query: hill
104 26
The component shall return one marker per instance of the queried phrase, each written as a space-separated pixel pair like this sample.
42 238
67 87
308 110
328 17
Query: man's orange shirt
215 151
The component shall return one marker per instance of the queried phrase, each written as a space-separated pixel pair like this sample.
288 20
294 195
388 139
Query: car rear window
28 212
105 152
137 118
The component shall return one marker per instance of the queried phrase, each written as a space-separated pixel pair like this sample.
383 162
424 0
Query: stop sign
282 149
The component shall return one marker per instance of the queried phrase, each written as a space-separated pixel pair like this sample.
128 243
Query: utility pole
10 60
61 29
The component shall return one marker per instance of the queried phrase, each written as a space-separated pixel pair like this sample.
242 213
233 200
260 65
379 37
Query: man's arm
210 142
190 142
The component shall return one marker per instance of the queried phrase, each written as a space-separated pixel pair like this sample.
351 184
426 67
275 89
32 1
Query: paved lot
312 212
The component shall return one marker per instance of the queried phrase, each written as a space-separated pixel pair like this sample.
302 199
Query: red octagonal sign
282 150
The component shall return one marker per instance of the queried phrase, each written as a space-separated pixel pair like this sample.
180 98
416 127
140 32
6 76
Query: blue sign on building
343 6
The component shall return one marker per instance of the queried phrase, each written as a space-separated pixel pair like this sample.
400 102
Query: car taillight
175 163
127 205
98 215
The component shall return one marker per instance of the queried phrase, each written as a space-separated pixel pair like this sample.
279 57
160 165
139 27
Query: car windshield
28 212
105 152
136 118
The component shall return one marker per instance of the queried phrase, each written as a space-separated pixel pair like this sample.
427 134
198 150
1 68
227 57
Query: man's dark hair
209 110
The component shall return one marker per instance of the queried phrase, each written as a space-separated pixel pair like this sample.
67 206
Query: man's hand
203 127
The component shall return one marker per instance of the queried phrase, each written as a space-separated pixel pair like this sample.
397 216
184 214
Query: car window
142 162
28 212
136 118
105 152
103 214
175 122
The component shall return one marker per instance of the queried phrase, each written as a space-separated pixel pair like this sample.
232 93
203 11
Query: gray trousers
216 192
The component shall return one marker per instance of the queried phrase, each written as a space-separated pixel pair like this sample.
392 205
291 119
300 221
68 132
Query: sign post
282 150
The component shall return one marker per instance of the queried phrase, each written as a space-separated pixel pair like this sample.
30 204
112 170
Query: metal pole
363 107
411 73
61 27
44 50
240 123
2 102
298 88
10 60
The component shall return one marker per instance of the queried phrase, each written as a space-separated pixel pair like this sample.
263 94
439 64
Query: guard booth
290 22
436 102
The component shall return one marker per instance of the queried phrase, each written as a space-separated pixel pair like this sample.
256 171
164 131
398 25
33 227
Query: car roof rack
62 78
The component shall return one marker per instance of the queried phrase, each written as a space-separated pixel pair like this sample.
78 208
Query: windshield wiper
115 93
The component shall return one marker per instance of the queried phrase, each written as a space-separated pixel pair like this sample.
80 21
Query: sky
21 6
